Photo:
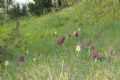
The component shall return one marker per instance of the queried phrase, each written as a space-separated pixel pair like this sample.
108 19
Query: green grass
98 22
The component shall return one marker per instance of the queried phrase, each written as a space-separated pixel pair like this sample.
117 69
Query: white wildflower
78 48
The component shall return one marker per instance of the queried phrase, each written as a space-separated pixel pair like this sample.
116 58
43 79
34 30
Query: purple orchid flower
76 34
61 41
21 59
95 55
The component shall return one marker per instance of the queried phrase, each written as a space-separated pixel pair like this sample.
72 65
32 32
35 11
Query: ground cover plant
77 43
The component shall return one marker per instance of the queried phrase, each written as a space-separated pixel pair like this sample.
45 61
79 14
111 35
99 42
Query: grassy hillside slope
45 60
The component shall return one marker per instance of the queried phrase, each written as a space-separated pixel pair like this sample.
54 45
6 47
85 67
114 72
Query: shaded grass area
93 21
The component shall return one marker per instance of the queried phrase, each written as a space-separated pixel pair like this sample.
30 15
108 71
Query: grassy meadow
34 52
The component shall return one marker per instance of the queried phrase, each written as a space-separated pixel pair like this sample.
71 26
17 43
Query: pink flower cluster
21 60
61 41
76 34
92 48
95 55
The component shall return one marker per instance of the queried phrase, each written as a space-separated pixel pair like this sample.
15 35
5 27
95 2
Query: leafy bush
16 11
40 7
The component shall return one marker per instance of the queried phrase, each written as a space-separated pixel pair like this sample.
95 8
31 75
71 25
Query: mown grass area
45 60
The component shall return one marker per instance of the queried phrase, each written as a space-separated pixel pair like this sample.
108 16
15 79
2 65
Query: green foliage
17 12
40 7
64 3
24 11
4 54
99 22
1 3
1 19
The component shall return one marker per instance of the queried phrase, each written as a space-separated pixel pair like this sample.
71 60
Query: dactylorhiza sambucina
76 34
95 55
78 48
61 41
21 60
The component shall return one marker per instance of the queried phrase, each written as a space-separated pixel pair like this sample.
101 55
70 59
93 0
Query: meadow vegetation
77 43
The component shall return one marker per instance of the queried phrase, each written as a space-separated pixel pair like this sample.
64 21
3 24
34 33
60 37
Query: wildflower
76 34
6 63
55 33
78 48
61 41
21 59
78 29
95 55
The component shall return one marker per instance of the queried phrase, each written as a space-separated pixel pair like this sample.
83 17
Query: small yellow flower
6 63
78 29
55 32
78 49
